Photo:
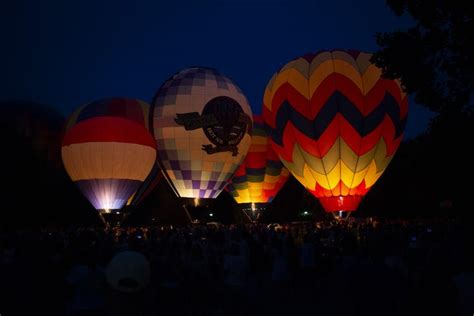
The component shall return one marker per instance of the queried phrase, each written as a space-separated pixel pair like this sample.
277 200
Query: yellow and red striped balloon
108 151
335 123
261 176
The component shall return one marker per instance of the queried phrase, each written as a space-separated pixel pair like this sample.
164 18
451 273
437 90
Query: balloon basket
253 211
341 215
198 210
112 218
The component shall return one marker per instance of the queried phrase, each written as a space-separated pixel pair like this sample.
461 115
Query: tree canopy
434 58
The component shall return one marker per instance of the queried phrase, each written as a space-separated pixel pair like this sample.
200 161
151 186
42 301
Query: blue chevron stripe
240 179
255 171
337 103
274 164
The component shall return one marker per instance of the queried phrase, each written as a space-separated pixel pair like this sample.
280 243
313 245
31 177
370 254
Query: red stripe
257 119
340 203
334 82
109 129
377 93
268 116
256 160
339 127
320 192
241 171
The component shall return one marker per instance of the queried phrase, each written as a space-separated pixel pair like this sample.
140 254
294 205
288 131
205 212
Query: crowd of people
351 267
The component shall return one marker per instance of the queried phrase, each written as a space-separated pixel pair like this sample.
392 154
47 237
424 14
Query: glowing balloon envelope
261 176
201 124
335 124
108 151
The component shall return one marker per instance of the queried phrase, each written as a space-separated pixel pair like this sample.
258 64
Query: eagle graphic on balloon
329 119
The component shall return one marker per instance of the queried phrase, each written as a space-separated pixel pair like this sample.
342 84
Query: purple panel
198 78
186 174
162 153
196 184
108 193
187 82
174 164
185 164
222 84
211 185
175 83
214 176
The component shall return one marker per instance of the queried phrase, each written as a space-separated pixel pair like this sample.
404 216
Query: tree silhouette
434 61
434 58
35 187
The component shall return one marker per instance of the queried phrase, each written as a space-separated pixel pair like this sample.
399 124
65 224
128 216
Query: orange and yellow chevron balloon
335 123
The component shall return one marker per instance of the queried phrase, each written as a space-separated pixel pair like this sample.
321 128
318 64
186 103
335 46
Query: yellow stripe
347 69
334 176
341 151
294 73
299 82
130 199
268 94
291 76
371 175
272 179
320 74
297 161
338 165
254 190
319 60
370 77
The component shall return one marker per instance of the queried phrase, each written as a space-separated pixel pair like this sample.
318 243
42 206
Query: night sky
66 53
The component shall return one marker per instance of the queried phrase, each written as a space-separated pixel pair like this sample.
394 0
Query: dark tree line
35 187
434 60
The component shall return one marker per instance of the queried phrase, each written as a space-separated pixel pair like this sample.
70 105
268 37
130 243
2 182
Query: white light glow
107 197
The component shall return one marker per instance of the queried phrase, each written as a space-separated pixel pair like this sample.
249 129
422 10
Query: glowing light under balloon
108 152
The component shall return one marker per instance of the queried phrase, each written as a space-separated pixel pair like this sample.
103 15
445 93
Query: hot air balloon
201 124
147 187
335 123
108 151
259 178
